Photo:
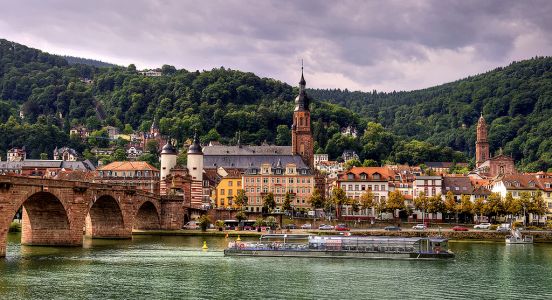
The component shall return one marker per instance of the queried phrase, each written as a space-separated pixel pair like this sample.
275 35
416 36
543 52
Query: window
222 191
383 187
290 180
350 187
230 192
265 180
363 187
356 187
376 187
230 183
363 176
376 176
350 176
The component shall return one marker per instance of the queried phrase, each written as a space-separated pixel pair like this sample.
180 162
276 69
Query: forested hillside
516 101
87 61
411 127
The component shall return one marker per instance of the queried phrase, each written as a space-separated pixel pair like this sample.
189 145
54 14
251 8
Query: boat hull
338 254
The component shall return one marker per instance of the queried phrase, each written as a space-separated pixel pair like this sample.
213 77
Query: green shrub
204 222
493 227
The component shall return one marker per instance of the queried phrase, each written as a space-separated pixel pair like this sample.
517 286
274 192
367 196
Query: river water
156 267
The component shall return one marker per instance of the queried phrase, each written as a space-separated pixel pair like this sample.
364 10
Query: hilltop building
486 166
66 154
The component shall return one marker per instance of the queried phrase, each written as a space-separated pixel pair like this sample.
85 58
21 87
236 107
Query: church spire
302 101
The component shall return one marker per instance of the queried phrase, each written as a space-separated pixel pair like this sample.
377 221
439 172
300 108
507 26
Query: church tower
301 134
481 144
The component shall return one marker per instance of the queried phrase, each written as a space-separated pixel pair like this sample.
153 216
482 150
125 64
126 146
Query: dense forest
72 60
516 102
45 95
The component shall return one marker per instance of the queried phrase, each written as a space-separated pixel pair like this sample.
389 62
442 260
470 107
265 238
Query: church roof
247 150
246 161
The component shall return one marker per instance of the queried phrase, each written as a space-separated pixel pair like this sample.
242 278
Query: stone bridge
60 212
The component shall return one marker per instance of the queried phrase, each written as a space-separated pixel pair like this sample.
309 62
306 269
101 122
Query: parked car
342 227
419 227
325 227
306 226
482 226
291 226
392 228
503 229
191 225
459 228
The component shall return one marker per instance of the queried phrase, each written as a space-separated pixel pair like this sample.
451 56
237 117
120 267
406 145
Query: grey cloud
371 43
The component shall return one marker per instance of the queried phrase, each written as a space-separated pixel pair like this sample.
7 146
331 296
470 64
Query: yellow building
228 188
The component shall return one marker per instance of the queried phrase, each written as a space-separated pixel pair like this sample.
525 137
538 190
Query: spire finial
302 82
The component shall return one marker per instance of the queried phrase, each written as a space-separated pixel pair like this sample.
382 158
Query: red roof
384 172
128 166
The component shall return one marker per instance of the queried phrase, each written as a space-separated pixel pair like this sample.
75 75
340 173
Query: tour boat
373 247
517 238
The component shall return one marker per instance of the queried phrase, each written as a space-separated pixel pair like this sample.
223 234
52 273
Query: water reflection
176 267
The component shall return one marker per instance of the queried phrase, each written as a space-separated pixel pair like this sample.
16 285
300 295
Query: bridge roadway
60 212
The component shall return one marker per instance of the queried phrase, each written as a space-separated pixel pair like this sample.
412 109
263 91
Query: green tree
316 199
286 206
283 135
451 206
268 202
339 198
478 207
152 147
367 200
466 206
241 216
128 129
120 155
538 205
395 202
43 156
494 206
421 203
204 222
241 199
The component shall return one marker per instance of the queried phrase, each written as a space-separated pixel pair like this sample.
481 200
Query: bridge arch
105 218
147 216
45 219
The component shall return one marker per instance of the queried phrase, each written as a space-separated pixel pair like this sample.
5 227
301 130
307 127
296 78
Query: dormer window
350 176
547 185
363 176
376 176
531 184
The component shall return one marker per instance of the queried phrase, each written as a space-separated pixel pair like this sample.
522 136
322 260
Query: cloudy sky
366 45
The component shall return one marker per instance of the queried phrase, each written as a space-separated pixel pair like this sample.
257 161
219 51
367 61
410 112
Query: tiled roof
246 150
248 161
386 173
128 166
520 181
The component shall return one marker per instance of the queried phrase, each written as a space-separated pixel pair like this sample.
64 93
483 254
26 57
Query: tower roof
195 148
302 100
168 148
481 121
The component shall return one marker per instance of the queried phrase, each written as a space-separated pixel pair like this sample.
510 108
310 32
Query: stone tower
301 134
481 144
168 159
195 160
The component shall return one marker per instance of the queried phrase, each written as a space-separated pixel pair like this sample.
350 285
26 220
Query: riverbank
493 236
